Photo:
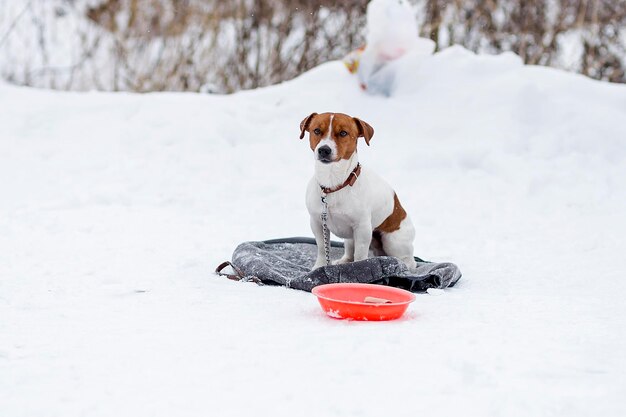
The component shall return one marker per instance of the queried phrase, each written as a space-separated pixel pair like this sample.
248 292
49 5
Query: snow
116 208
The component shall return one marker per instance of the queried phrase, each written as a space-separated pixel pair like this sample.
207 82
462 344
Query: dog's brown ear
365 130
304 125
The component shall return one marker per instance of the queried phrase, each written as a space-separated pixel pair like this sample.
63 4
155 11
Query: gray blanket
289 261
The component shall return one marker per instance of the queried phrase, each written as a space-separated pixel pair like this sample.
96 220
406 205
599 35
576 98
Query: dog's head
333 136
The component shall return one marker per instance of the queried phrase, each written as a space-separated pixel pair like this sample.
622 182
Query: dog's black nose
324 151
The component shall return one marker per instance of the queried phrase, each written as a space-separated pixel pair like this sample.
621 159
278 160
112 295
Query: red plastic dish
347 301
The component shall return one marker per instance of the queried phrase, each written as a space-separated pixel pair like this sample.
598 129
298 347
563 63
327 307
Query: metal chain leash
325 230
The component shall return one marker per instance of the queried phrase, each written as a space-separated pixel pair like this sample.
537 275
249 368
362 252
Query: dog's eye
317 132
343 133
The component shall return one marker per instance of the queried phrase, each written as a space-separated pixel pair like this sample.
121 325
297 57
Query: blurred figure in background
391 34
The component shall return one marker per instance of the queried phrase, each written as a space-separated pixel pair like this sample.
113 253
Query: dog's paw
342 260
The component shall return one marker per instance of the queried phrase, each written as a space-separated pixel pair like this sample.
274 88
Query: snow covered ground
115 209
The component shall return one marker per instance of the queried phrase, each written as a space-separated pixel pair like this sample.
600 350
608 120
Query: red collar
349 181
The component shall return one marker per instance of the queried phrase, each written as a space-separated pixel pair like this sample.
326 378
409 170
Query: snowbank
115 209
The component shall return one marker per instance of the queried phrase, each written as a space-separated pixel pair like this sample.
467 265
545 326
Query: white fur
354 212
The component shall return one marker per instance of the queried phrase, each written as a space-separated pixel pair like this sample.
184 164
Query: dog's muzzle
324 154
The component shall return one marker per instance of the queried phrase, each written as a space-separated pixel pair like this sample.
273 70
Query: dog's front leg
318 232
348 252
362 239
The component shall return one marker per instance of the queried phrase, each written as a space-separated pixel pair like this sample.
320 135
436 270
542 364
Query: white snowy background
116 208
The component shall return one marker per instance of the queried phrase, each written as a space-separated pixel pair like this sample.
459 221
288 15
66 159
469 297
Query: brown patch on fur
346 145
392 223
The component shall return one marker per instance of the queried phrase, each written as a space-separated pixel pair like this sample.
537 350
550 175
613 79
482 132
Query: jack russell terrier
361 207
